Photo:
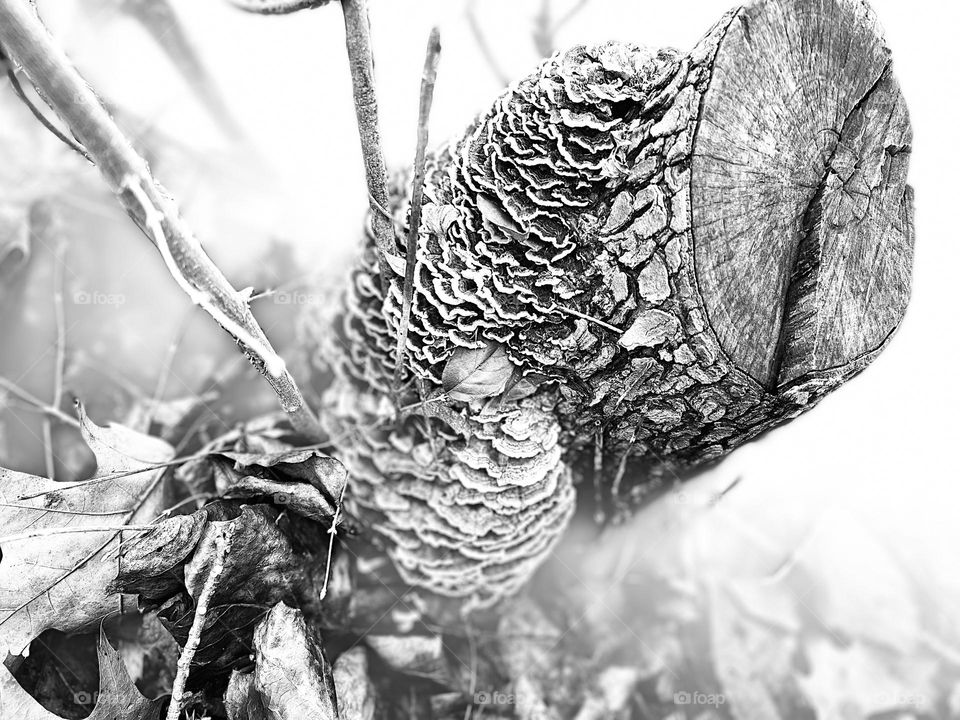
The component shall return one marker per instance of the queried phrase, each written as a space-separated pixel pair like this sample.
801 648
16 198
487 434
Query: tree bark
677 252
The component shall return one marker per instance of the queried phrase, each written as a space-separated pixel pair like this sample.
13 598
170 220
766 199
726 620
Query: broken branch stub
676 252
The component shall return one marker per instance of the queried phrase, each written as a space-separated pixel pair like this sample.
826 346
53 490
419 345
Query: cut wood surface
800 209
666 254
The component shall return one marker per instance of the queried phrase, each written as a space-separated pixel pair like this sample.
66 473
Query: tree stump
634 262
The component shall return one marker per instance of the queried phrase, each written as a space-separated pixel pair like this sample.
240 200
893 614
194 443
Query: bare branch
199 619
26 41
356 23
61 339
37 404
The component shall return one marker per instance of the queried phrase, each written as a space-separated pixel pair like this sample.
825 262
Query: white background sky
883 446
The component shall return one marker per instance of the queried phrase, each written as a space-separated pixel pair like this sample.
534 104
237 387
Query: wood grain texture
798 189
674 252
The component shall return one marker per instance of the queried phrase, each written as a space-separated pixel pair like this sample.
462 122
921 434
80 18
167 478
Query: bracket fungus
667 254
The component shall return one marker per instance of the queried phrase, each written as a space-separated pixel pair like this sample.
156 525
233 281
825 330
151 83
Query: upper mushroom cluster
563 230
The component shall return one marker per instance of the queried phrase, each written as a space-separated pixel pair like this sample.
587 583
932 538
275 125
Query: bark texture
676 252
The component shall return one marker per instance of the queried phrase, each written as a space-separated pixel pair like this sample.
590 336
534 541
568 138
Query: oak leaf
118 698
59 541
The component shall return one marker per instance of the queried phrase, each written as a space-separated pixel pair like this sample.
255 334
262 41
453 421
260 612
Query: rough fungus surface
675 252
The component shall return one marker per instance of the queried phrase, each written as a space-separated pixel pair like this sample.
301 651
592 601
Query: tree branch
356 23
27 42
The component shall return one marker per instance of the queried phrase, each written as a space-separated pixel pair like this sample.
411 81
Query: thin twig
64 486
73 530
61 346
26 41
59 134
428 426
472 645
199 618
60 511
598 513
427 83
161 388
583 316
480 38
37 403
333 534
356 23
424 402
618 478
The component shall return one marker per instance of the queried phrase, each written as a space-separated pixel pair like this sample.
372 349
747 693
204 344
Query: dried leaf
417 655
477 373
292 674
355 691
261 569
502 227
241 700
149 653
245 464
118 698
396 263
437 219
60 541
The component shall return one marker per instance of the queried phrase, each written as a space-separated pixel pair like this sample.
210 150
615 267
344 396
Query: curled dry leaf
60 541
437 219
118 698
477 373
292 675
244 465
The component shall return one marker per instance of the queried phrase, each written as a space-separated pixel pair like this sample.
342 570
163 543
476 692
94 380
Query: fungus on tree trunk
675 253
